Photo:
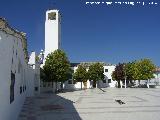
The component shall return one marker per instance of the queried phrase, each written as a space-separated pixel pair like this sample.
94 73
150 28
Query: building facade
16 75
107 82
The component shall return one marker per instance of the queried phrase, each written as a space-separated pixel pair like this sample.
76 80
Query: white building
107 82
16 76
108 70
52 31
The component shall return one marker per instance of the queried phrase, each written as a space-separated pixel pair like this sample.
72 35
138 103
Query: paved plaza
94 104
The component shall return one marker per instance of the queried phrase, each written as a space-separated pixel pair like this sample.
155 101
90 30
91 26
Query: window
36 88
20 89
104 81
106 70
52 16
109 80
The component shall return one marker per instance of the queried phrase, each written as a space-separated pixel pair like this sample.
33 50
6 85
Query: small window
104 81
36 88
109 80
20 89
106 70
52 16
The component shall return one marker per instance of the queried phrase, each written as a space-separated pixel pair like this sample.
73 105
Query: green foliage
57 66
81 74
37 59
131 70
45 75
146 69
96 71
70 74
136 70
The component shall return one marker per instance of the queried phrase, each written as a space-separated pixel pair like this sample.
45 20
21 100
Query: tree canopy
146 69
96 71
81 74
137 70
57 66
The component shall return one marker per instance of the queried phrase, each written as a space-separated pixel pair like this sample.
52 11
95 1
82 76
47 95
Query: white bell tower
52 31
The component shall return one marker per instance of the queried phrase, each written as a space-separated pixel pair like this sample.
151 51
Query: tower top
52 10
52 14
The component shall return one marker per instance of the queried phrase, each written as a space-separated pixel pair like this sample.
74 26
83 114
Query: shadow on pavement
48 106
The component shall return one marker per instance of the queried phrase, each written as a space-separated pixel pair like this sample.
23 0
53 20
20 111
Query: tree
57 67
119 73
131 71
81 74
95 72
146 69
137 70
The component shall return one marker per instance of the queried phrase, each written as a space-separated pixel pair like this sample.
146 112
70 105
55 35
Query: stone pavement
93 104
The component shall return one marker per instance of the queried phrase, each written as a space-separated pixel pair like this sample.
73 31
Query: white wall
30 81
12 59
108 75
11 48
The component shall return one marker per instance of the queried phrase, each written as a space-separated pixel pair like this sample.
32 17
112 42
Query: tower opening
52 16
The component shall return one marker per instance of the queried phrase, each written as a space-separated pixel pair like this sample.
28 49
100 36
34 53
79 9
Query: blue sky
118 33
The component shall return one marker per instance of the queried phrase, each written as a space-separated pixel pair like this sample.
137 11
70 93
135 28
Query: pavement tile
93 104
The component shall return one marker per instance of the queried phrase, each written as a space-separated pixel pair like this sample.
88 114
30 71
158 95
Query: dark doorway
12 87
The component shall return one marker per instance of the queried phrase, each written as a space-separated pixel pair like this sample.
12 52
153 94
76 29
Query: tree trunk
85 84
94 84
119 84
139 82
61 85
52 84
81 85
56 87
